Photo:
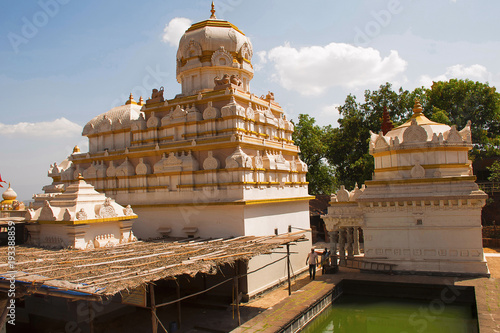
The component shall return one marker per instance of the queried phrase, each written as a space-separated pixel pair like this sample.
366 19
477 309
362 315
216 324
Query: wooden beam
154 320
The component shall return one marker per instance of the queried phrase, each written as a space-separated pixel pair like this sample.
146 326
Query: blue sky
62 62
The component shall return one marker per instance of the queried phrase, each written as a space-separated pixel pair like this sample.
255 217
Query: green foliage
466 100
440 116
494 170
312 140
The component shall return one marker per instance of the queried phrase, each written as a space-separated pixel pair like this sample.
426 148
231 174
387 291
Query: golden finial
213 12
417 108
76 150
141 101
130 100
80 177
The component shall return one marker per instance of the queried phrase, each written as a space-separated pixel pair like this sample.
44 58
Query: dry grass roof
107 271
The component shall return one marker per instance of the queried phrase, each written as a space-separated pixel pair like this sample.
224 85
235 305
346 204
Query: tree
465 100
312 140
494 170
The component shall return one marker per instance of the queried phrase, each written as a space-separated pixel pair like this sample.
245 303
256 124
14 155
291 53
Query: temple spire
386 122
212 17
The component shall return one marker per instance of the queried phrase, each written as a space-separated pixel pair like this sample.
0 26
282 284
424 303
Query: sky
63 62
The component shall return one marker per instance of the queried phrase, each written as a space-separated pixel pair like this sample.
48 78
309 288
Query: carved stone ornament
142 168
414 133
211 112
127 211
192 49
153 121
81 215
211 163
222 58
259 164
107 210
67 215
454 136
47 213
417 171
342 194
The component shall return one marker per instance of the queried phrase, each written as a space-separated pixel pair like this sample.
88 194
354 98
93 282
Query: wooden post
288 263
237 293
178 289
154 321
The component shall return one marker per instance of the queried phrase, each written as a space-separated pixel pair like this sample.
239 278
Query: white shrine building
422 209
214 161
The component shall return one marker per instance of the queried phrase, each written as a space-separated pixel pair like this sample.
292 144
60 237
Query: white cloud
174 30
312 70
331 110
474 72
61 127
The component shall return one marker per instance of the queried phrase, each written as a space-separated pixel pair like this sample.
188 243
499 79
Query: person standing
312 259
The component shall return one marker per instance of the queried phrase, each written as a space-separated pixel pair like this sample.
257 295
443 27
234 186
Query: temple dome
116 118
210 49
9 196
429 126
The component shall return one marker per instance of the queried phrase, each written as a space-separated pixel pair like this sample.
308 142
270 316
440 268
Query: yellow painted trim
420 180
426 166
213 23
90 221
230 203
419 150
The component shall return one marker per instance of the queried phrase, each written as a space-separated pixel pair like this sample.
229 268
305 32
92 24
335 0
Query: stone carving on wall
232 109
139 124
101 169
193 114
105 125
106 210
466 133
90 172
125 169
111 170
211 163
238 159
246 51
259 164
250 114
142 168
453 135
417 171
47 213
156 96
192 49
381 142
414 133
117 125
67 215
211 112
81 215
235 79
342 194
178 112
153 121
222 58
127 211
222 82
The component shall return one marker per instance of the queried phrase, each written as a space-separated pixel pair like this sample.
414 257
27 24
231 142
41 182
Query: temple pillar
350 251
356 240
333 246
342 235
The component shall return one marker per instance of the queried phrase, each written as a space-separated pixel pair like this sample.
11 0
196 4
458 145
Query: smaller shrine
80 218
421 212
10 202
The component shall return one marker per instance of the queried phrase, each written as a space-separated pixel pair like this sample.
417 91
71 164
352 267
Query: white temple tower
215 161
422 210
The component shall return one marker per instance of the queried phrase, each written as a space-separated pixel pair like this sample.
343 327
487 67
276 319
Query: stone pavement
278 315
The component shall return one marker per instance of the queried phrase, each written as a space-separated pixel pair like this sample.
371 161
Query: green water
360 314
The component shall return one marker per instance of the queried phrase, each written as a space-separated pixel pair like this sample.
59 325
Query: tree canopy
340 155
